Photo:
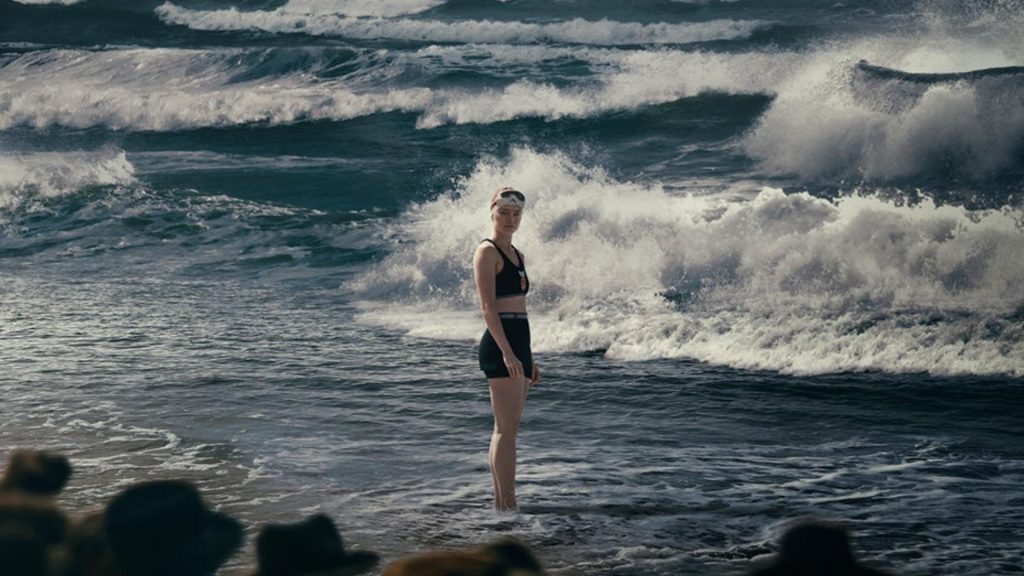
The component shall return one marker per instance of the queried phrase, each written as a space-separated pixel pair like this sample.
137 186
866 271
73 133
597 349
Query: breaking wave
942 102
170 89
290 20
43 2
51 174
786 282
358 8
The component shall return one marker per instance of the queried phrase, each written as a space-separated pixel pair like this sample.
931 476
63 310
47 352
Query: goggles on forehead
509 197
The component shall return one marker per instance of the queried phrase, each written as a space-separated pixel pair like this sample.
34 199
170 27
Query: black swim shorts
517 331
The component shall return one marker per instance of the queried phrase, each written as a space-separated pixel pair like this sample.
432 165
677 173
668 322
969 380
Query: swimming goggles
510 197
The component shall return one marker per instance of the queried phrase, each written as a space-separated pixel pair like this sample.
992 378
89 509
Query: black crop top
512 280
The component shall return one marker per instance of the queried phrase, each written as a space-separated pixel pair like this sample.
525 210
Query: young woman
505 356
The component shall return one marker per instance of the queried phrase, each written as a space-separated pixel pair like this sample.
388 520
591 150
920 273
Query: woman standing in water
505 356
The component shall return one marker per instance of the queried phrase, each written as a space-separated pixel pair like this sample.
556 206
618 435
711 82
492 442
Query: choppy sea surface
776 250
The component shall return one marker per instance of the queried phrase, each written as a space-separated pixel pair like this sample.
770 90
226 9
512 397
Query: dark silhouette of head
506 557
310 547
815 548
35 472
163 528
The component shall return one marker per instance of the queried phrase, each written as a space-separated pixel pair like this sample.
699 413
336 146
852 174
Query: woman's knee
506 424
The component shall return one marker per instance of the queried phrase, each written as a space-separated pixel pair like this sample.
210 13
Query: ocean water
777 250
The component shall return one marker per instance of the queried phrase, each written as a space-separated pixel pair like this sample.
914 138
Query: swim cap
508 196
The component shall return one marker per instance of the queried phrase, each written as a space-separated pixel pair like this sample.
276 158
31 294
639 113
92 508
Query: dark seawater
775 247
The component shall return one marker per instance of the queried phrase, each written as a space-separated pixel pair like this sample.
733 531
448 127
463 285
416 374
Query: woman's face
506 218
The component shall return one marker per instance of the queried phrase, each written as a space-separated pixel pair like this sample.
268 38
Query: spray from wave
779 281
937 112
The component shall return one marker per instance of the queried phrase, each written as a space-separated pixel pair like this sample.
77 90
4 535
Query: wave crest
359 8
944 102
166 89
576 31
891 128
52 174
48 2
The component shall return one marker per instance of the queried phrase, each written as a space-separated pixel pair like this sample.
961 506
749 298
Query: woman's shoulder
486 249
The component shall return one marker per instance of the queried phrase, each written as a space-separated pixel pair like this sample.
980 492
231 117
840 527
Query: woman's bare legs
508 396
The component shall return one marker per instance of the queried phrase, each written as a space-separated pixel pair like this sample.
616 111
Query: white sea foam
169 89
49 174
819 126
290 20
41 2
827 122
635 79
779 281
358 8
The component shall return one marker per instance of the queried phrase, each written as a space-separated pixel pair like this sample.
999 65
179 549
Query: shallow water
653 467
